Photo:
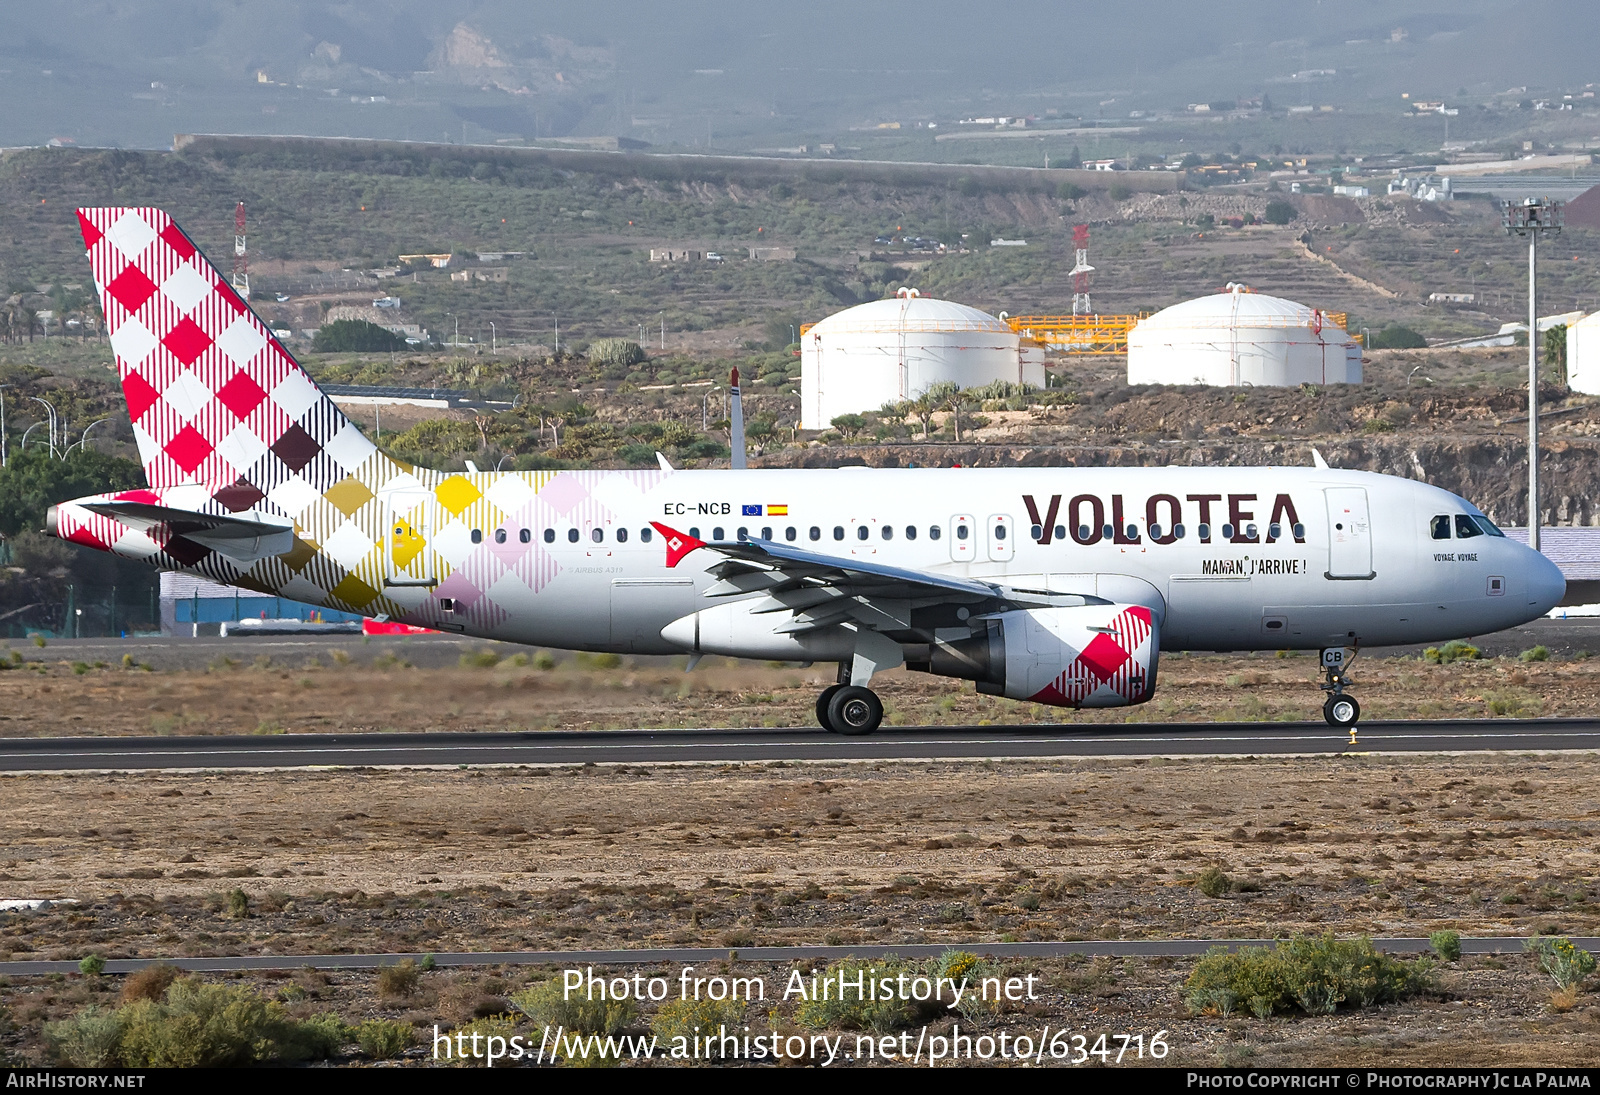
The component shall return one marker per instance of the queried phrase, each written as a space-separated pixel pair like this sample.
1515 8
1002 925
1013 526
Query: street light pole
1529 218
494 338
48 406
3 388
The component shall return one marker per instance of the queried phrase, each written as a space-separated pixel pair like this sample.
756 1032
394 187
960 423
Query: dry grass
577 695
419 861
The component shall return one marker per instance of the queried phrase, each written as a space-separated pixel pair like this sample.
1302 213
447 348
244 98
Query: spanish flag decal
778 511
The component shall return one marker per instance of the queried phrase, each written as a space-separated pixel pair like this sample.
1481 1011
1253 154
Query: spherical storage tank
1583 354
890 350
1239 337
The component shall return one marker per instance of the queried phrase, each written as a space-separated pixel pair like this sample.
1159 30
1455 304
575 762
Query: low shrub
850 1010
480 659
1446 944
691 1019
383 1039
89 1039
201 1025
238 905
1213 882
150 983
1315 974
400 980
1566 964
1535 654
91 965
547 1004
1453 651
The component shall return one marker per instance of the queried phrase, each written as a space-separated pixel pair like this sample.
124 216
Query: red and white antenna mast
1080 271
241 255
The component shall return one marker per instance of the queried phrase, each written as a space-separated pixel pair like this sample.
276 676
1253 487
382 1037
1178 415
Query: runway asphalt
739 746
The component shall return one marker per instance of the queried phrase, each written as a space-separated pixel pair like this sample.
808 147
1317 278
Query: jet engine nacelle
1085 656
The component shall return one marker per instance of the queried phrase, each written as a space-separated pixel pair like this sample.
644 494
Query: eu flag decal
751 511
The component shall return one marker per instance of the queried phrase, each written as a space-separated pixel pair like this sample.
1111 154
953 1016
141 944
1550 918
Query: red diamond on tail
679 544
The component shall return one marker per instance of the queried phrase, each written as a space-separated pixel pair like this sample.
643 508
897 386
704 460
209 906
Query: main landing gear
1341 711
849 709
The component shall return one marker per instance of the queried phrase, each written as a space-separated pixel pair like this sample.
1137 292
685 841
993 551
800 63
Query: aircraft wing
820 590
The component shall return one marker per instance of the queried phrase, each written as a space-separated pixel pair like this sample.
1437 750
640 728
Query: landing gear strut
1341 711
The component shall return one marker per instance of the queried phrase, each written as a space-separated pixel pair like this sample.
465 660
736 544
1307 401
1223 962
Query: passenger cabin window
597 535
572 536
790 533
694 531
766 533
716 533
1440 527
743 534
861 532
911 532
622 536
961 532
838 532
1466 526
477 536
499 535
934 532
888 532
525 535
815 533
549 535
646 535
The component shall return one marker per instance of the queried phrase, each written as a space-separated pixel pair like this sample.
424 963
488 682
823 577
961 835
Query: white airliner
1056 585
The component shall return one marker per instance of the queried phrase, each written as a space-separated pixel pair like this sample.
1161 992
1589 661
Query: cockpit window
1440 526
1487 525
1466 526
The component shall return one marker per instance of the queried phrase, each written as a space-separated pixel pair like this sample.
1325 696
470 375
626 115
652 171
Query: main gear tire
855 711
822 706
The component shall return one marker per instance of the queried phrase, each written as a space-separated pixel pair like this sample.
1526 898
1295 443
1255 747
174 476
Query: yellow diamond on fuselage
405 543
457 493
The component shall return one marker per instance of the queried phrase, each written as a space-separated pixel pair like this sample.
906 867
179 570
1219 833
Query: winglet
666 465
1317 460
679 544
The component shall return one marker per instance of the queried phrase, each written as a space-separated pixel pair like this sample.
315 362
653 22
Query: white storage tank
1583 354
1241 338
889 350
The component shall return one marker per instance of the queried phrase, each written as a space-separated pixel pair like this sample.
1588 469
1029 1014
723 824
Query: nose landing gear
1341 711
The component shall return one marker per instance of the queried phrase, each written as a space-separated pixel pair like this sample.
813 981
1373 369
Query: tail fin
214 399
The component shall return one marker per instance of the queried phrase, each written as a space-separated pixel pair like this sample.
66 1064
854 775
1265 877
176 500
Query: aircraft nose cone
683 632
1546 586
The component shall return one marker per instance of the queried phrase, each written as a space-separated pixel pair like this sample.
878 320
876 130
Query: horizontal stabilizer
239 538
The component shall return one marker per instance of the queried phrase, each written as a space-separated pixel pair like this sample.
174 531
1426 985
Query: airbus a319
1056 585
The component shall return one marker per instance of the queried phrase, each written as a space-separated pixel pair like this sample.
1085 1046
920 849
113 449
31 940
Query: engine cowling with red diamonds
1102 655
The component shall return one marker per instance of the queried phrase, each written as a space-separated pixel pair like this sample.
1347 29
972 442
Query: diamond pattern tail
213 396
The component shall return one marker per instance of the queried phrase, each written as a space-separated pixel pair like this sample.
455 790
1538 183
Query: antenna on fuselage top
736 421
1317 460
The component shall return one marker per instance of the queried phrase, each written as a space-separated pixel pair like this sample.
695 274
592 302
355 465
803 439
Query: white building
1241 338
890 350
1583 354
